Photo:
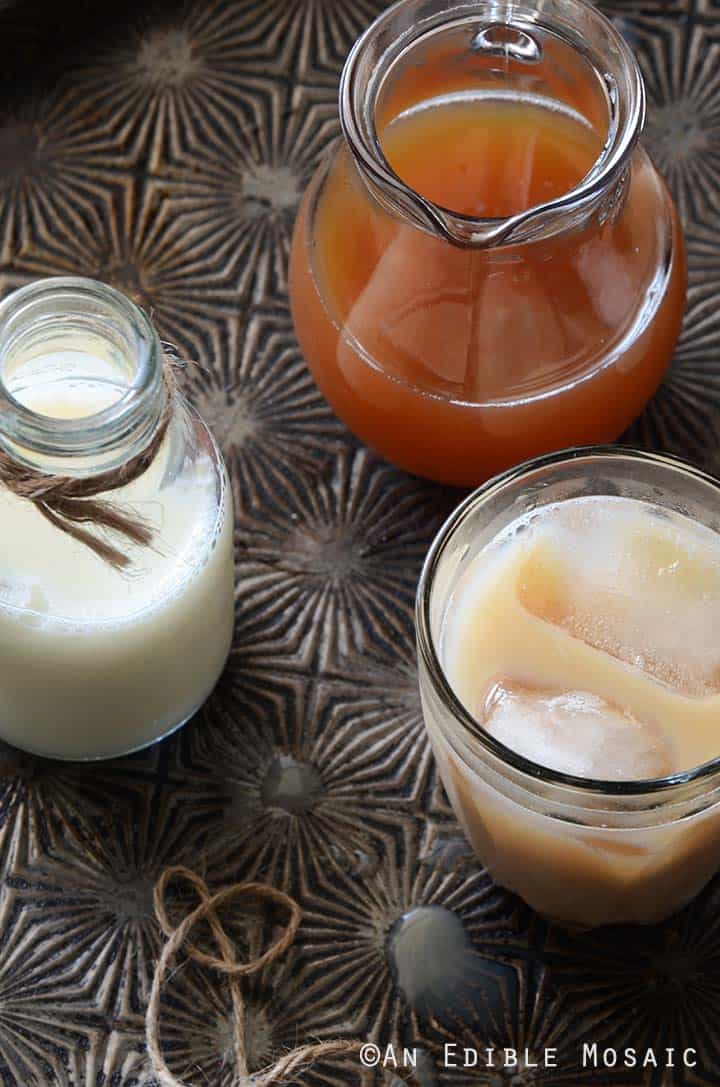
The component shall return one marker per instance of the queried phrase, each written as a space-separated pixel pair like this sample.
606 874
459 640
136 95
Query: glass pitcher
487 266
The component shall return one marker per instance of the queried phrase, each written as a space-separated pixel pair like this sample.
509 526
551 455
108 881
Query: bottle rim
63 305
531 773
407 23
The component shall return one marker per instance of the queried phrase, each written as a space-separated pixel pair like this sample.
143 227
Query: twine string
227 963
70 502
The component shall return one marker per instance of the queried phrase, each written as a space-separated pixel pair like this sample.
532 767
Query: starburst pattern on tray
168 161
375 703
283 1010
116 1057
654 987
333 570
325 34
682 418
233 198
368 940
518 1035
681 67
100 895
43 1025
133 252
647 10
173 81
54 166
44 804
302 790
263 407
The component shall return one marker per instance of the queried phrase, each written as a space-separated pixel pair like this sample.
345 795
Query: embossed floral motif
98 891
172 82
263 407
197 1027
234 196
334 570
703 249
302 788
681 67
651 9
168 161
131 250
655 988
682 416
369 940
54 166
375 703
43 1025
325 35
44 805
517 1035
117 1056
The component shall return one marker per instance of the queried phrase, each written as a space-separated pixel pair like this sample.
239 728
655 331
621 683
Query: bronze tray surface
163 147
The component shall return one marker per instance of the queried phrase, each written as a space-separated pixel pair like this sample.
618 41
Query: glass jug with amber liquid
488 266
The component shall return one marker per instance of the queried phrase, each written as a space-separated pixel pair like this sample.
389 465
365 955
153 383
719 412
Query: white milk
96 661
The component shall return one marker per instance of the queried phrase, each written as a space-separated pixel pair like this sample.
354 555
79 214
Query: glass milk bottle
488 266
100 656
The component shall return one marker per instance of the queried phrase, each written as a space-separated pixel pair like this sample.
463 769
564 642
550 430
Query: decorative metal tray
163 148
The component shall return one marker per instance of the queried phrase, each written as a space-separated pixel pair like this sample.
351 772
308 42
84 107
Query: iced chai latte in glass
569 630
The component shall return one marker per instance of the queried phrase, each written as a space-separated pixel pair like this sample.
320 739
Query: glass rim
101 430
426 645
610 167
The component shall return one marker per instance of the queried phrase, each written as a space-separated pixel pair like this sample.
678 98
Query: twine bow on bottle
226 962
71 502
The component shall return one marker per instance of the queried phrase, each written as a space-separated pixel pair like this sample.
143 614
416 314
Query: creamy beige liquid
587 638
96 661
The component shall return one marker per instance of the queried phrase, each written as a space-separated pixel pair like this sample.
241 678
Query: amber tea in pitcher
488 266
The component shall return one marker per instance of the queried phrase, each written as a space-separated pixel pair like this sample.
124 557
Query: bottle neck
81 377
563 53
